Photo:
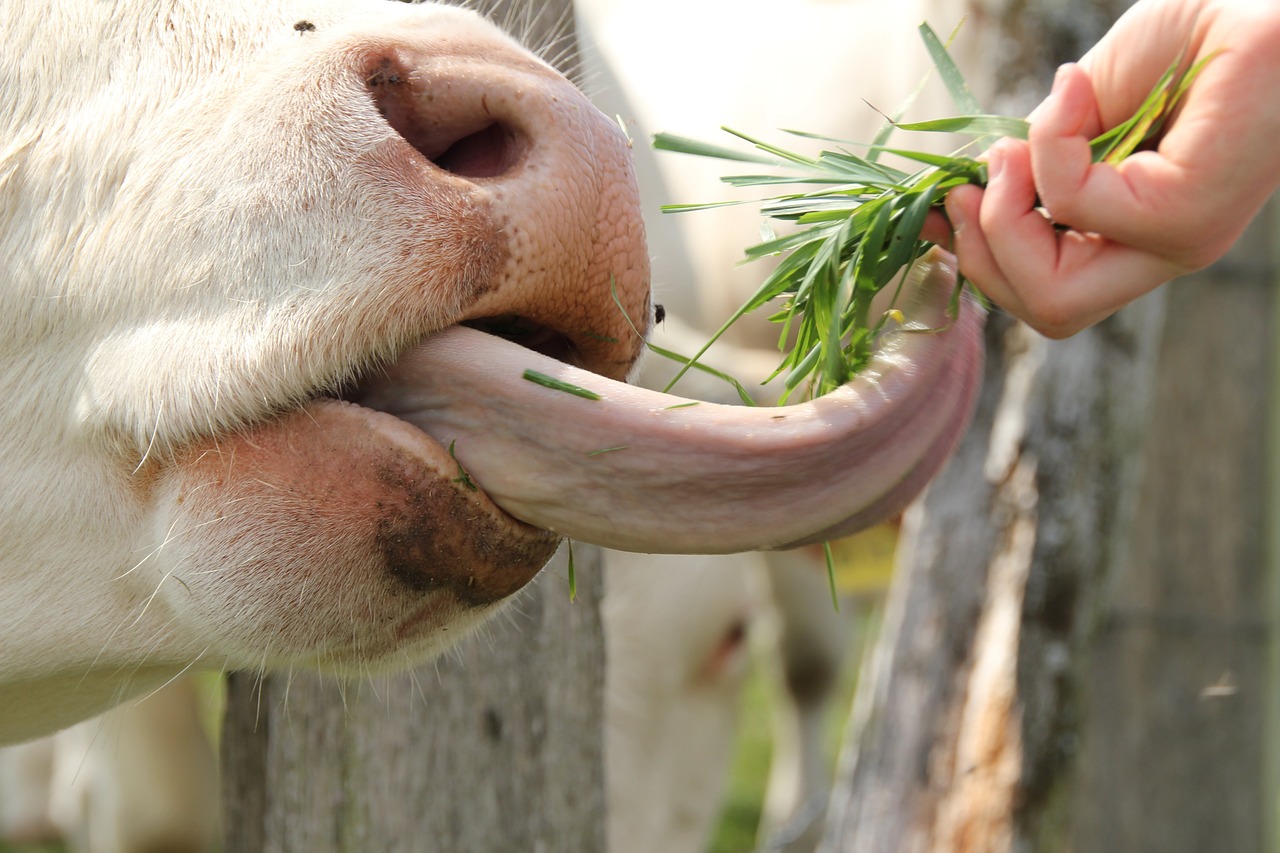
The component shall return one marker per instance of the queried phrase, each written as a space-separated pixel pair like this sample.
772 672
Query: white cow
243 427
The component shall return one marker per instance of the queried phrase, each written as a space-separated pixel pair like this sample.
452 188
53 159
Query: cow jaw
447 479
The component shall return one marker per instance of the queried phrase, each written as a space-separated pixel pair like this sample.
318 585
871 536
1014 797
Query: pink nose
516 139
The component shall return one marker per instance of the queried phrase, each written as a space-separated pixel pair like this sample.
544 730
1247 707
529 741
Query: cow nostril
486 153
453 132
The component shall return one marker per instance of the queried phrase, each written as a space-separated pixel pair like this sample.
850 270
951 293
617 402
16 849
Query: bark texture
1075 655
1176 687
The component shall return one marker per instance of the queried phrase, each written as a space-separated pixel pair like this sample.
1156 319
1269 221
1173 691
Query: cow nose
508 135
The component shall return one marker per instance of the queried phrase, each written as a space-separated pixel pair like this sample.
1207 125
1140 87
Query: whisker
155 430
260 688
99 728
414 682
178 675
147 604
288 686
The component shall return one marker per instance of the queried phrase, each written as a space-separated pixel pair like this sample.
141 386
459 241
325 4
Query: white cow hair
154 158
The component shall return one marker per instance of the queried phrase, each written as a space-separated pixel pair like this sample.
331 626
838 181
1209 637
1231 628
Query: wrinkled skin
237 241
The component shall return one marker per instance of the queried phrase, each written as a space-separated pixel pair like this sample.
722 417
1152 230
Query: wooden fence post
496 747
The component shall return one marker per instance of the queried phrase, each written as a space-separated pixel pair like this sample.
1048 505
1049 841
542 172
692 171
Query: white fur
202 223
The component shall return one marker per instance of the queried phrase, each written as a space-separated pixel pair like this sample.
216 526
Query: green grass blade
687 208
890 123
904 243
573 575
831 575
669 354
776 180
770 148
614 449
463 477
743 394
972 125
685 145
854 167
961 95
559 385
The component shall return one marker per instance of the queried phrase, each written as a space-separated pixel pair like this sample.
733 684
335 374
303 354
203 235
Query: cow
278 276
275 273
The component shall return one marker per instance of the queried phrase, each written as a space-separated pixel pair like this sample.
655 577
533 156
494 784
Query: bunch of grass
860 228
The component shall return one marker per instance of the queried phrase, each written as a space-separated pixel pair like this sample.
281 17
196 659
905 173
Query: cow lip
512 328
430 453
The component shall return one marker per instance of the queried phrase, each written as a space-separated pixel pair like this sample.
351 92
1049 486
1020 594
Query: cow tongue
643 471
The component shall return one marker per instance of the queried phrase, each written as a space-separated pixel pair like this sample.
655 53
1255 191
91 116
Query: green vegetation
861 227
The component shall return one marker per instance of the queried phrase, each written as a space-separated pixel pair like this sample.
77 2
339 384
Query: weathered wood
1075 655
883 800
497 747
1177 679
965 696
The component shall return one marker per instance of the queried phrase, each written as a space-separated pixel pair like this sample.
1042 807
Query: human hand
1159 213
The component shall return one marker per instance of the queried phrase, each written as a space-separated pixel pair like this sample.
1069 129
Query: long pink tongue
643 471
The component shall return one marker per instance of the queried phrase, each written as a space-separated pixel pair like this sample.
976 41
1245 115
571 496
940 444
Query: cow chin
335 536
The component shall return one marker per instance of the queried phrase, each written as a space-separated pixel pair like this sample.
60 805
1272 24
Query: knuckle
1052 316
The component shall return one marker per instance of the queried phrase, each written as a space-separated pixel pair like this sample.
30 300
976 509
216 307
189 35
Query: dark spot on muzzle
438 538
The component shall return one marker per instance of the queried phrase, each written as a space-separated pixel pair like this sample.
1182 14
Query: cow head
246 422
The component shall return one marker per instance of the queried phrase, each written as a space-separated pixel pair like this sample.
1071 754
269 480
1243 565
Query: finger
1218 161
1159 202
1057 282
936 230
1070 103
1021 241
1136 51
1088 196
1058 140
977 264
1091 280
